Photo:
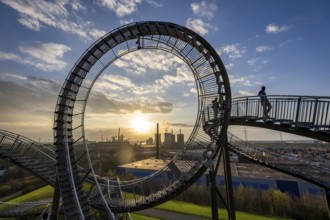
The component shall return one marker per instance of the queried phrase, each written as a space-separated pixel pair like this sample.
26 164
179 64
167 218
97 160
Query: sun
140 123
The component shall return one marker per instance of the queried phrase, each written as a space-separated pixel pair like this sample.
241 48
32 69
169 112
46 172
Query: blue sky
284 45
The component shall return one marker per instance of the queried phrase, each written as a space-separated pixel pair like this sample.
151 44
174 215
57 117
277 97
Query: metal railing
311 112
14 209
33 156
296 166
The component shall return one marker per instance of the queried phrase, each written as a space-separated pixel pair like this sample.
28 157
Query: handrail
42 149
69 164
312 112
12 209
292 96
28 154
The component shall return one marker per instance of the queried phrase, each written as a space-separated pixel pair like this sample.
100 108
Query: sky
284 45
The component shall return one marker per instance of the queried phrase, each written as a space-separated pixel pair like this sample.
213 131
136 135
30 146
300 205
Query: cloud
76 5
177 75
44 84
233 50
121 84
37 14
124 7
241 80
9 56
154 3
204 9
27 98
96 33
198 25
193 90
100 104
183 75
120 80
43 56
182 125
235 80
140 62
27 105
47 52
274 29
122 22
30 23
229 66
257 61
120 7
246 93
252 61
263 48
12 77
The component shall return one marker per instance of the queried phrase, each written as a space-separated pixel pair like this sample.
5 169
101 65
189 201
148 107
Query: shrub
270 202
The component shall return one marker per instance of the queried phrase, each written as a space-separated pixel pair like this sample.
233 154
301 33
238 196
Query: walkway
308 116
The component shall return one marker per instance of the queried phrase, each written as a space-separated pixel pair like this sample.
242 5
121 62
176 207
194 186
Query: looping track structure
77 180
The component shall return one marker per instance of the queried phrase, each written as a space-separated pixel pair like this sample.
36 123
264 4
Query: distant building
173 138
169 140
149 141
121 138
180 139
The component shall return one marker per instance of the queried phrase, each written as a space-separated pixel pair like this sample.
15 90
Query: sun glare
140 123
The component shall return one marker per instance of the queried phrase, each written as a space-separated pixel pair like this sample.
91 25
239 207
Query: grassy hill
173 205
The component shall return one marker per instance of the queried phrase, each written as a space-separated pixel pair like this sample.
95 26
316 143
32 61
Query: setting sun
140 123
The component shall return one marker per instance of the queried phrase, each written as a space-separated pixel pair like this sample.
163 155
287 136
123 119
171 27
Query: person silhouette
264 101
215 107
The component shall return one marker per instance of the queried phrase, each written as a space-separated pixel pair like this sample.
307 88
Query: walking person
264 101
215 107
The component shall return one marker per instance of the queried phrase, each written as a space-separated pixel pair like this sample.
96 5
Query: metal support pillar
213 185
56 201
157 142
228 181
229 201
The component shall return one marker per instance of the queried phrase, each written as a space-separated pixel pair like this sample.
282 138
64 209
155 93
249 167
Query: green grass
205 211
41 193
142 217
174 206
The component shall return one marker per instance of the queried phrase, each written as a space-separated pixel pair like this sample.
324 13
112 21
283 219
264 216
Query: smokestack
157 142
